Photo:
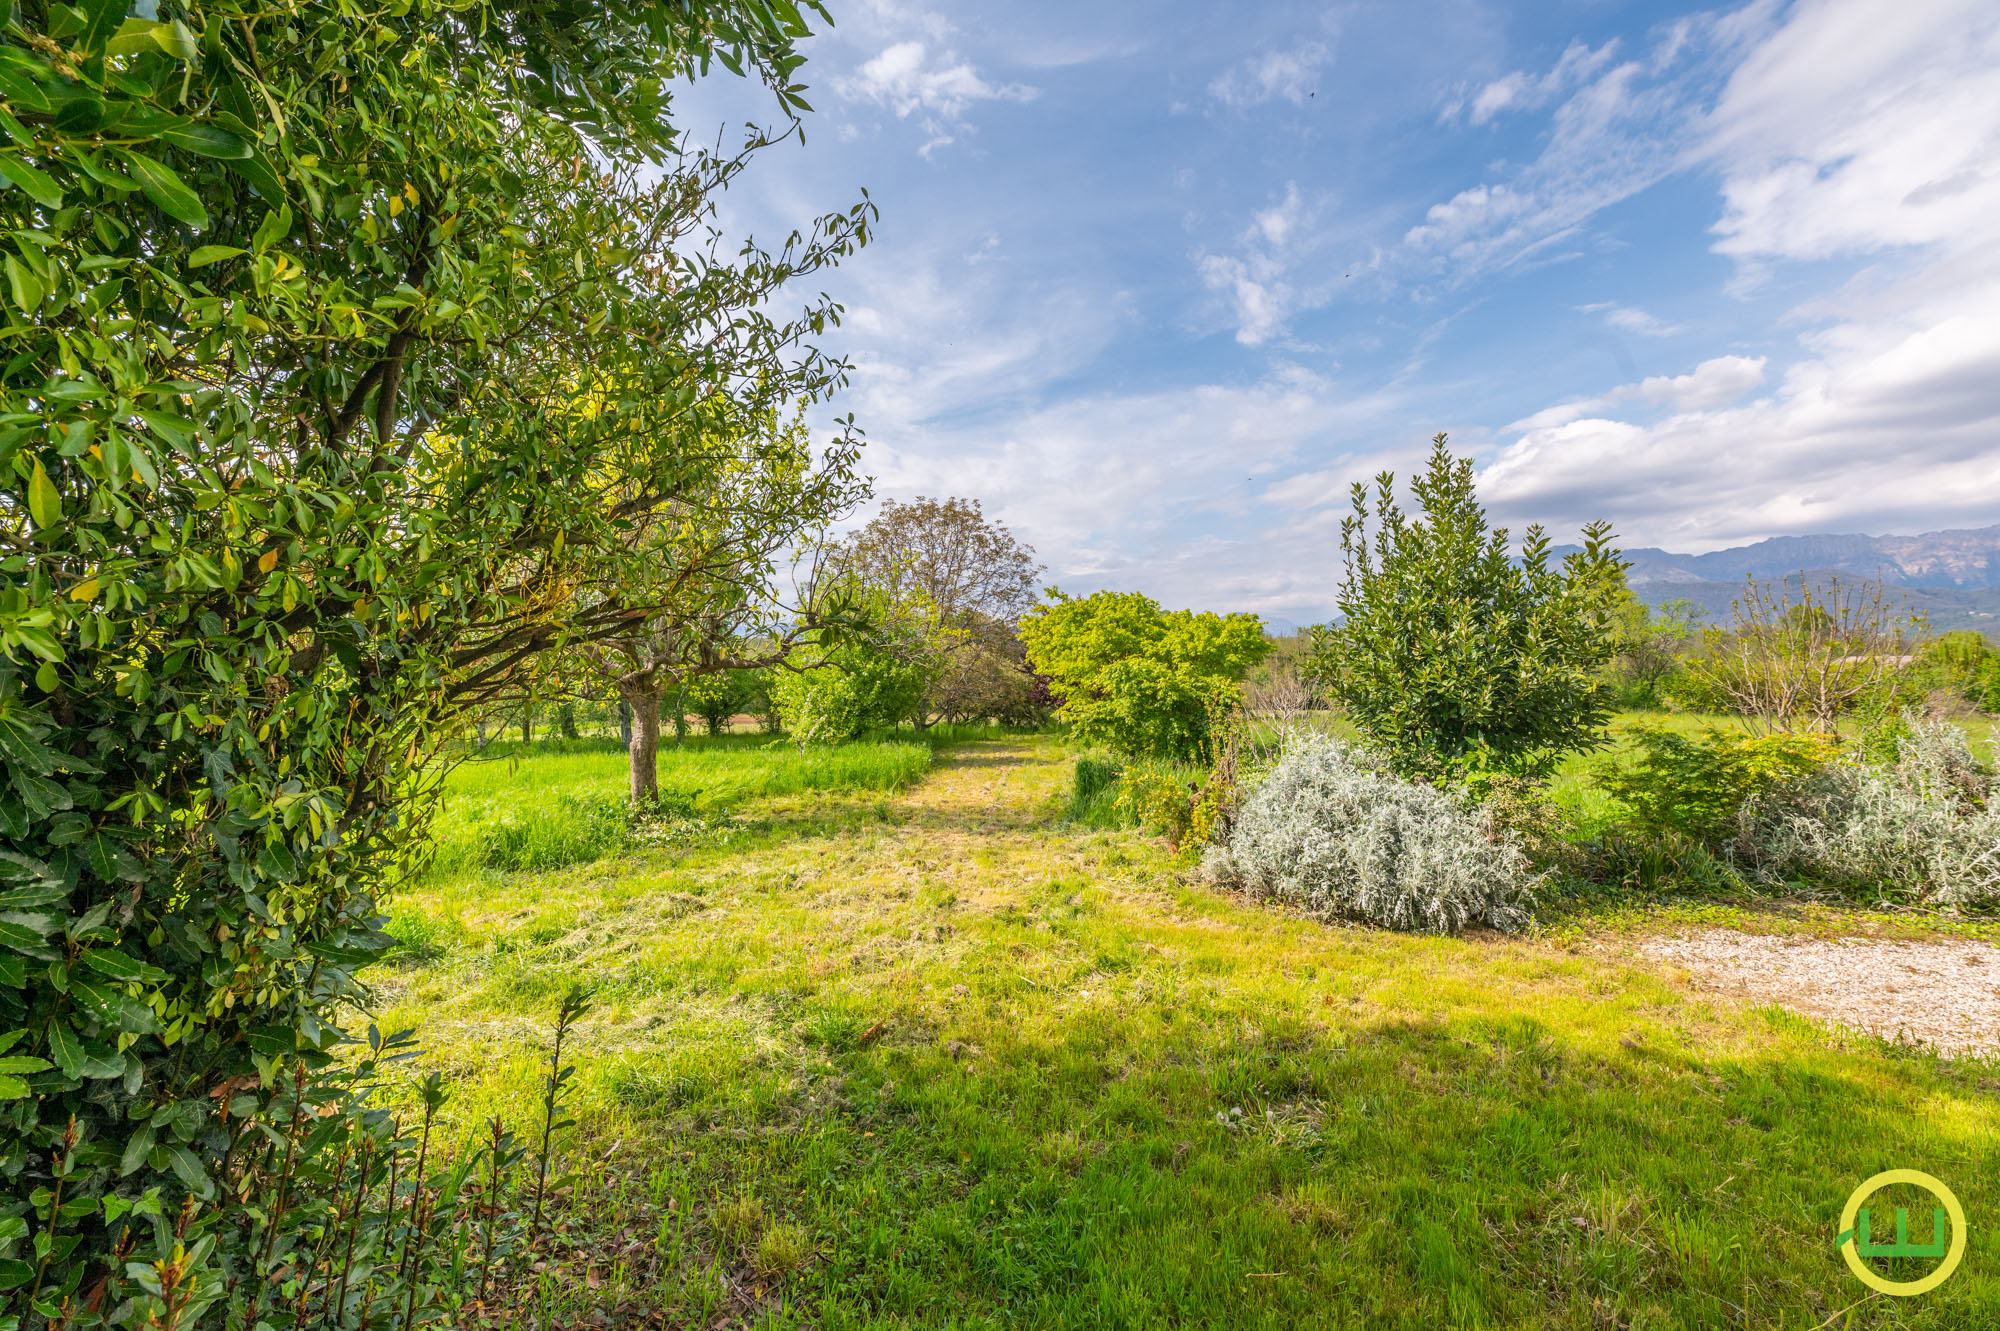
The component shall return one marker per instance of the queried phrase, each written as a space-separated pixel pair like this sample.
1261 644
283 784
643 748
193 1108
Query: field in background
932 1058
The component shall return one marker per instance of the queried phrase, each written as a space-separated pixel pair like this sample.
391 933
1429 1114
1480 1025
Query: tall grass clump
1093 792
1331 832
1919 828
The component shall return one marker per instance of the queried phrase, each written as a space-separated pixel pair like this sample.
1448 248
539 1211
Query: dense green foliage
346 344
1136 678
1453 657
1695 786
844 690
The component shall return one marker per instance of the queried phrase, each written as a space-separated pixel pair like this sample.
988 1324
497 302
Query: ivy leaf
169 193
39 186
44 502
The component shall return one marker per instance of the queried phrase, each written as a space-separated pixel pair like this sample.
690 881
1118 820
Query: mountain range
1951 577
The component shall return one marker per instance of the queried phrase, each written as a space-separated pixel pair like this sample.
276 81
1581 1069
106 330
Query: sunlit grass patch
967 1065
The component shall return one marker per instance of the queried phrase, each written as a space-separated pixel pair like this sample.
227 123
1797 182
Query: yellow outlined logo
1855 1240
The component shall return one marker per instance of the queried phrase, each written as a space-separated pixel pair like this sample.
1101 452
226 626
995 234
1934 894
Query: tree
977 578
301 299
718 697
1650 644
1454 658
699 578
1802 653
1136 678
867 670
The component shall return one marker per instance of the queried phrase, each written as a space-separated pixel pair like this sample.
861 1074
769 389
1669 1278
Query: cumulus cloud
1289 75
906 79
1850 131
1712 383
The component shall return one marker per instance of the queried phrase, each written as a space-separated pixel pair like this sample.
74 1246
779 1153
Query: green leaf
175 39
101 18
12 1087
189 1170
119 966
136 1150
208 254
19 1064
22 284
80 1059
41 188
44 501
46 678
206 141
169 193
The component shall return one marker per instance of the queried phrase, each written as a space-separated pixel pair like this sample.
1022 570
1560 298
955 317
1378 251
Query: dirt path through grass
975 1069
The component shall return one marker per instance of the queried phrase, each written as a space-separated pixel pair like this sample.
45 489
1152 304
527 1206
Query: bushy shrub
1920 829
847 691
1331 831
1139 679
1694 787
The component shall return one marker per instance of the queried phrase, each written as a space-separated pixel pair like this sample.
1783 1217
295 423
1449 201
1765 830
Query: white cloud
1289 75
1862 127
906 79
1857 131
1526 92
1713 383
1260 292
1630 319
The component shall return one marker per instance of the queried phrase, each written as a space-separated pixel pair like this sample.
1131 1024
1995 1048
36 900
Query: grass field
931 1059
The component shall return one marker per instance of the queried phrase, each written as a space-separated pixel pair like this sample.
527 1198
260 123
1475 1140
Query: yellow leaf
395 205
84 591
268 562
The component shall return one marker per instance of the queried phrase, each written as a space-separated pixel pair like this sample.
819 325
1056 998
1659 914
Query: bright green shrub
1138 679
1695 787
1452 656
847 691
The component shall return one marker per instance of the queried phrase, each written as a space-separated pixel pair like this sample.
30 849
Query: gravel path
1945 994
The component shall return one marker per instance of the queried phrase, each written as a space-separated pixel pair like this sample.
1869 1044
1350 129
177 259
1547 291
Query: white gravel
1942 994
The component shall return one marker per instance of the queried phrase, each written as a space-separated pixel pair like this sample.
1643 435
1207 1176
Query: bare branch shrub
1800 653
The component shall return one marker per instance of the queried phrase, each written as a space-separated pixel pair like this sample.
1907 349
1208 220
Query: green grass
539 808
937 1059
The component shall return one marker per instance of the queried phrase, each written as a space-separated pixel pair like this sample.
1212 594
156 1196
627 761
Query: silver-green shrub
1920 829
1331 832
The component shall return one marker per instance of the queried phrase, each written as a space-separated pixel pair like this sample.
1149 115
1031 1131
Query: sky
1157 280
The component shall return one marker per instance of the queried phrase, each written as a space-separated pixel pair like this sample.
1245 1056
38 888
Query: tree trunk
566 720
624 722
528 726
643 747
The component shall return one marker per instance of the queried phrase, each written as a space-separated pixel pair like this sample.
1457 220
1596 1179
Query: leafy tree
717 697
977 578
698 581
866 671
1136 678
1650 644
300 301
1451 656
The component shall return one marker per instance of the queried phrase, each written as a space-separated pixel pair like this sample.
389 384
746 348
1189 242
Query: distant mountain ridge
1935 559
1951 577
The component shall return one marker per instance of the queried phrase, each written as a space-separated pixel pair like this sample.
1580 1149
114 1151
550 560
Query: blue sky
1156 281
